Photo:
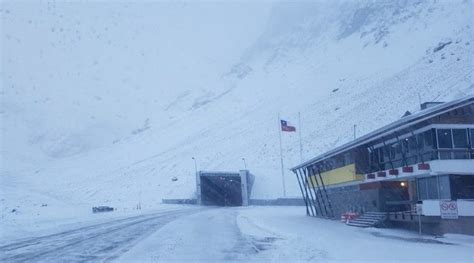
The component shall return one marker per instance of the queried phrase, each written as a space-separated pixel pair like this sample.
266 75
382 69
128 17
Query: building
419 168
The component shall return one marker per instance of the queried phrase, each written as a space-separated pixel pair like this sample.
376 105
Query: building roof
393 127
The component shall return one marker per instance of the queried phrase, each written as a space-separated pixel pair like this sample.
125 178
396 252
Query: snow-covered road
247 234
210 236
285 234
98 242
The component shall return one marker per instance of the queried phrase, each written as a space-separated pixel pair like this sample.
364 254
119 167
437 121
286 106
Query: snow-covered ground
101 239
103 102
285 234
211 234
52 219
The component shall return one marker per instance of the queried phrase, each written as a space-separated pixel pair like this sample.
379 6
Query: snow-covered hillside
106 102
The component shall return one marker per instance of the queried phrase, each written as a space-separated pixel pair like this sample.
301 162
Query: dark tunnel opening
221 190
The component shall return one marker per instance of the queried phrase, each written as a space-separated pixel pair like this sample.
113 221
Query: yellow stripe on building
339 175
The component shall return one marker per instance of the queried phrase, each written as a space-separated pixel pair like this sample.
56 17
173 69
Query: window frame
450 137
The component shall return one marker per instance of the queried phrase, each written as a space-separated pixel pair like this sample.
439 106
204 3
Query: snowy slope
106 102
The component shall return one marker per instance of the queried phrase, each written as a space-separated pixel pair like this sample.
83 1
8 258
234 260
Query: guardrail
409 215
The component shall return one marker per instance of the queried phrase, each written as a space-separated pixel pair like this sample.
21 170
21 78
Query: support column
309 183
317 204
198 188
243 185
323 204
302 193
309 200
326 193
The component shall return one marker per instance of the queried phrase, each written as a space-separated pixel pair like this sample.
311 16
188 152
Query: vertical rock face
105 100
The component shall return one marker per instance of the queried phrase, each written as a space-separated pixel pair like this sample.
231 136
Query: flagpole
301 143
281 157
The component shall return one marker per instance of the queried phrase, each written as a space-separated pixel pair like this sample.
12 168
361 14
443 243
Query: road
99 242
213 235
235 234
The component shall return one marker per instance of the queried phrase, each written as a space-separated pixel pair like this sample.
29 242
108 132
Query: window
419 138
471 142
428 188
422 189
338 161
393 150
444 138
411 150
396 154
387 153
460 138
432 183
463 186
472 138
348 158
412 144
405 145
374 159
444 187
445 141
429 140
328 165
429 144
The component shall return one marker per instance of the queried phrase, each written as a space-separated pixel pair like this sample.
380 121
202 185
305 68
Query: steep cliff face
101 102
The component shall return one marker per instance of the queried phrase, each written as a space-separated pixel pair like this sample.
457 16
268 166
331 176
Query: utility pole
245 163
195 165
299 132
281 157
355 126
139 207
419 212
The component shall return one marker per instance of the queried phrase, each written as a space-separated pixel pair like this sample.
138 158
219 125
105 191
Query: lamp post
195 165
245 163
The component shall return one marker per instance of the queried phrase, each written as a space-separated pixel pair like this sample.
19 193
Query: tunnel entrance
223 188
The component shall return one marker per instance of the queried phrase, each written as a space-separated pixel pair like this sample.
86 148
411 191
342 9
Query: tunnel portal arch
224 188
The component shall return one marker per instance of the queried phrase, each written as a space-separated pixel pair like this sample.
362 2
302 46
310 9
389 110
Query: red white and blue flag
287 128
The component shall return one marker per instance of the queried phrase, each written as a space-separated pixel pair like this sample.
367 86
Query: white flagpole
301 143
281 157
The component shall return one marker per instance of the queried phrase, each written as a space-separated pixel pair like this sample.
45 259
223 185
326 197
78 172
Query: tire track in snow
100 242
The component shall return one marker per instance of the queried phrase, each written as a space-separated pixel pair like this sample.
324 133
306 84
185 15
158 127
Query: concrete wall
464 207
436 226
179 201
278 202
355 200
257 202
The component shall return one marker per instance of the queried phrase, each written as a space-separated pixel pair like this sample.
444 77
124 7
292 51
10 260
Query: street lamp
195 165
245 163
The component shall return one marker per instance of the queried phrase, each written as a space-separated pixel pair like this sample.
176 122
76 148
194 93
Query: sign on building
448 209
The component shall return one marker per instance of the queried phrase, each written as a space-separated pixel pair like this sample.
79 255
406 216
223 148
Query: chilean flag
287 128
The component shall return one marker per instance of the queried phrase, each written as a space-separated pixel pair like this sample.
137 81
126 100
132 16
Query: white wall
431 208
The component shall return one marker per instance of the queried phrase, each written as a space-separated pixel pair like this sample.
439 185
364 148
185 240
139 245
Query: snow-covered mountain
105 102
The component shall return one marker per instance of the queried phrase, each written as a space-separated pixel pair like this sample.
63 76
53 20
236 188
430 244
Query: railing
409 215
425 156
459 154
399 206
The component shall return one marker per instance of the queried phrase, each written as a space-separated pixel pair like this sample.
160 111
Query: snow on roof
393 127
